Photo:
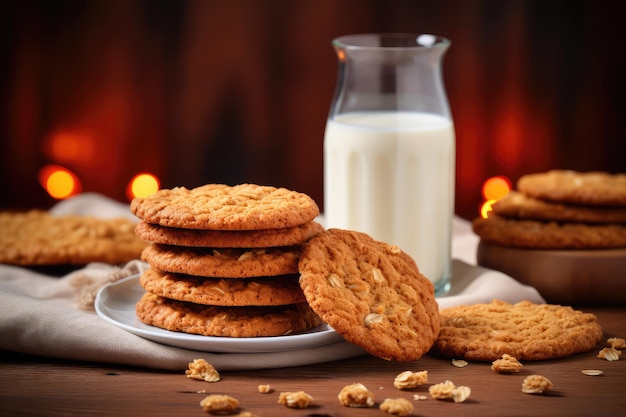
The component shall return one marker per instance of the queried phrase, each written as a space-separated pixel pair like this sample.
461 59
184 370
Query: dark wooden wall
238 91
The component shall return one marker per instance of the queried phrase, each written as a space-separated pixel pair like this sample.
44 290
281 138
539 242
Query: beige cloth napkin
54 317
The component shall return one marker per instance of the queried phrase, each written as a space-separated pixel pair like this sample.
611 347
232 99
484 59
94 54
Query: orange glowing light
493 189
59 182
142 185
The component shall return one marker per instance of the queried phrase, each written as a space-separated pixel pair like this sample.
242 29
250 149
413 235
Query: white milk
391 175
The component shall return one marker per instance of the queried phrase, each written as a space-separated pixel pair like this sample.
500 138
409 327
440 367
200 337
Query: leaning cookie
259 291
526 331
534 234
518 205
263 238
205 320
572 187
223 207
370 292
223 263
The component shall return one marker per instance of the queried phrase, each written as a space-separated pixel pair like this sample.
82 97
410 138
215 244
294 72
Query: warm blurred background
238 90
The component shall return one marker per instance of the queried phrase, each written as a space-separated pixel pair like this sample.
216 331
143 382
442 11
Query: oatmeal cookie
370 292
205 320
518 205
223 207
535 234
526 331
223 263
573 187
264 238
261 291
39 238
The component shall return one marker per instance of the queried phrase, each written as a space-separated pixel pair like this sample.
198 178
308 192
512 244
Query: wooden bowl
570 277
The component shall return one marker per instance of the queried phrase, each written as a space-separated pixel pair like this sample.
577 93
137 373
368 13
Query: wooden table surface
33 386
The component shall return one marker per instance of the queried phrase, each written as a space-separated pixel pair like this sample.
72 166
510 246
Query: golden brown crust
534 234
565 186
223 263
370 292
223 207
228 239
262 291
204 320
519 205
39 238
526 331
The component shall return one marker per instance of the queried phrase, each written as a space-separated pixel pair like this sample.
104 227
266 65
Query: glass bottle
389 147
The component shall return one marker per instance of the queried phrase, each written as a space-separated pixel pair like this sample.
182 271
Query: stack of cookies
224 260
562 232
560 210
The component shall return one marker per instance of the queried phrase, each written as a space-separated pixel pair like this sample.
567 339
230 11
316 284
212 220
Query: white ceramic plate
115 303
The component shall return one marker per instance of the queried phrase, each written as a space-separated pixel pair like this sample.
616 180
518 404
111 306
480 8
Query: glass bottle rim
388 41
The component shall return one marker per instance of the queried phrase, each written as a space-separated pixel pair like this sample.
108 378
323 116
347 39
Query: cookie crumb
356 395
298 399
397 406
507 364
202 370
610 354
222 404
536 384
616 342
409 380
265 388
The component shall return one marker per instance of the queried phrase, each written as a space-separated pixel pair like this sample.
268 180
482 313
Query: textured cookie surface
38 238
518 205
223 207
192 318
563 186
228 239
223 263
534 234
265 291
526 331
370 292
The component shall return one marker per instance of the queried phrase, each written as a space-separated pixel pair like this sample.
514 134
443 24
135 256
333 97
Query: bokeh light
142 185
493 189
59 181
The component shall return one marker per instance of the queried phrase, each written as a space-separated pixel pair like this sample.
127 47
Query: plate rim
264 344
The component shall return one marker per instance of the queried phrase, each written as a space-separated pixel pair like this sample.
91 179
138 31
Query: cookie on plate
223 263
534 234
37 238
525 330
261 291
205 320
370 292
518 205
263 238
573 187
223 207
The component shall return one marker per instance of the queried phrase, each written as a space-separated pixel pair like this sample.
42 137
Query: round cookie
37 237
526 331
222 263
228 239
534 234
370 292
564 186
204 320
518 205
263 291
223 207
